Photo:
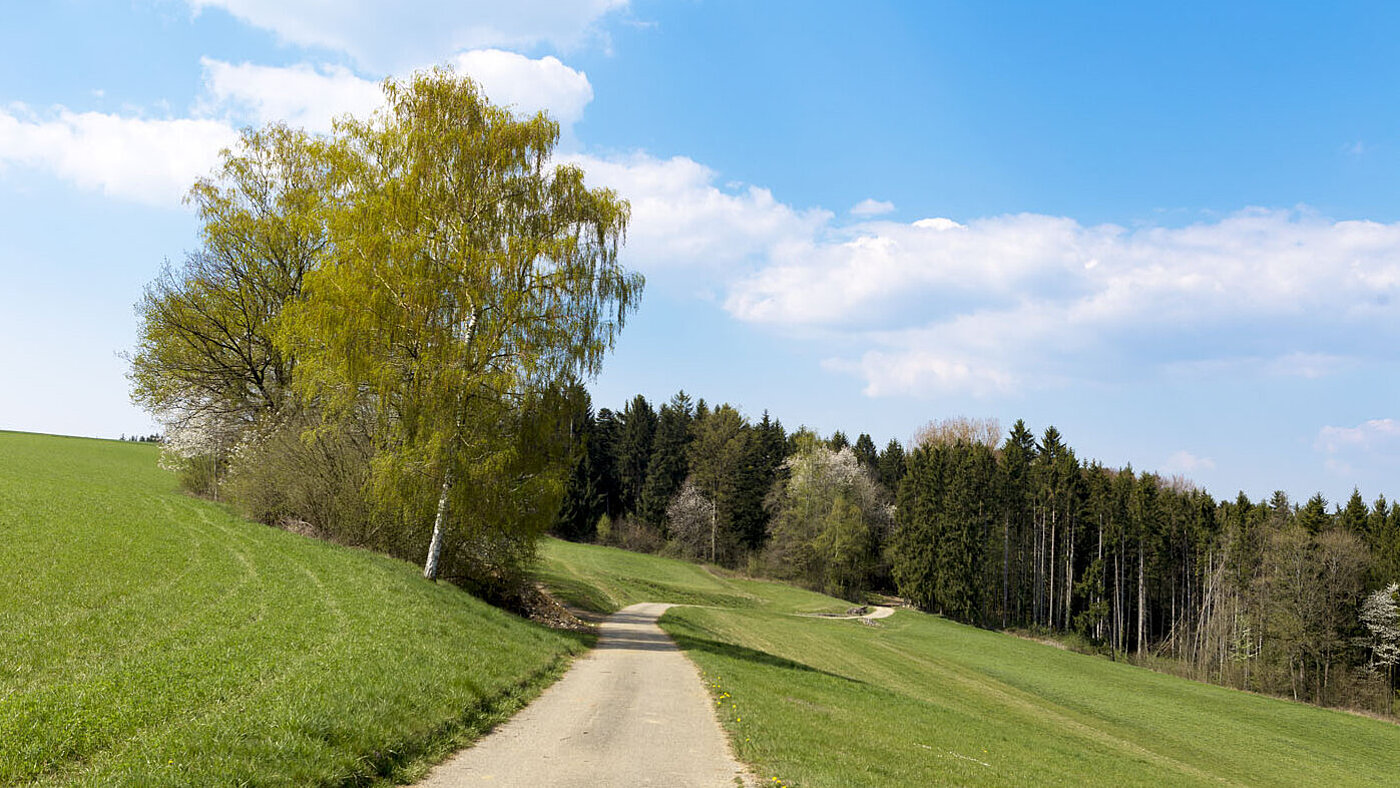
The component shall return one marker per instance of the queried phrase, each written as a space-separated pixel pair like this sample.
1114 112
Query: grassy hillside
147 638
919 700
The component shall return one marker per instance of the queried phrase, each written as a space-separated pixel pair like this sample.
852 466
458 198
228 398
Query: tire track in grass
57 633
1036 706
86 662
169 658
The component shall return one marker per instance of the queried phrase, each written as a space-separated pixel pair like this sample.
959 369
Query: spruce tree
1313 515
890 468
669 464
866 453
581 505
636 434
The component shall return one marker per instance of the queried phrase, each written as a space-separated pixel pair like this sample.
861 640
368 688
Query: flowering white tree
692 519
1380 613
828 517
198 444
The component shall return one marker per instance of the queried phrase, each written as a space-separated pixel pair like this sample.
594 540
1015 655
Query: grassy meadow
918 700
148 638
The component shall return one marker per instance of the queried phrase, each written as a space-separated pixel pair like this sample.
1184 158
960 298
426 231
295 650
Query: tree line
1015 533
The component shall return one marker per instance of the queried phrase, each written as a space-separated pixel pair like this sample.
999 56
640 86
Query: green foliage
829 519
947 507
634 449
468 279
891 466
206 335
153 639
669 463
866 453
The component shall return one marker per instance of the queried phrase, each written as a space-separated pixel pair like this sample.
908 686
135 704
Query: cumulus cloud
386 37
154 161
871 207
1369 444
151 161
312 96
1184 462
529 85
682 217
1008 300
1374 435
301 95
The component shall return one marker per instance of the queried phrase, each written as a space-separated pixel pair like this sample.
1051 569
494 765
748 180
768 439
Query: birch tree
468 276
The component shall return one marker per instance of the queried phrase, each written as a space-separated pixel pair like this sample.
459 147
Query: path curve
876 611
633 712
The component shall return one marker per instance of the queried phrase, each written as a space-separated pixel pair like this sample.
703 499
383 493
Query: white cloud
301 95
1035 299
680 217
1184 462
1376 435
1370 445
529 85
389 37
144 160
871 207
917 371
154 161
311 96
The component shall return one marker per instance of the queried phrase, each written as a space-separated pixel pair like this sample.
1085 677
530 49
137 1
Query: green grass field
919 700
147 638
604 579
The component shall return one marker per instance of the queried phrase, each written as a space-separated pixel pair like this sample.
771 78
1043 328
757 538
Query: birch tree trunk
430 568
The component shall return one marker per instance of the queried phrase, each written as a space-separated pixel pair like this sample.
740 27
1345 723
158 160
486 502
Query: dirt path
632 713
876 611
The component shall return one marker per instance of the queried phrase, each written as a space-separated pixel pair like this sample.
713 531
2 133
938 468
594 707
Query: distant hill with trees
1009 531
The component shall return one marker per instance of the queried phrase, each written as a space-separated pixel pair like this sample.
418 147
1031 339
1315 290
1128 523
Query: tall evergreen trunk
430 568
1142 599
1050 588
1005 564
1098 592
1069 573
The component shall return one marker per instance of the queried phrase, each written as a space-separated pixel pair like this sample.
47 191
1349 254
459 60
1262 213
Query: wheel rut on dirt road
633 712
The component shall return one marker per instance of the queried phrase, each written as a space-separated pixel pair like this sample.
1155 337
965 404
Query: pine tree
583 501
669 464
1313 515
890 468
866 453
1353 518
603 448
636 434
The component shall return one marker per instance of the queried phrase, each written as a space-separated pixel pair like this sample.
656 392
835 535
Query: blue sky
1170 231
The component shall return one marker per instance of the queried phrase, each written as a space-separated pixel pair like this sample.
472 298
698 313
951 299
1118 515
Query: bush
288 477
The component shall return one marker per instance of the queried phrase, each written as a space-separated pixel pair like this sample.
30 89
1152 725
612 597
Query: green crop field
148 638
918 700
